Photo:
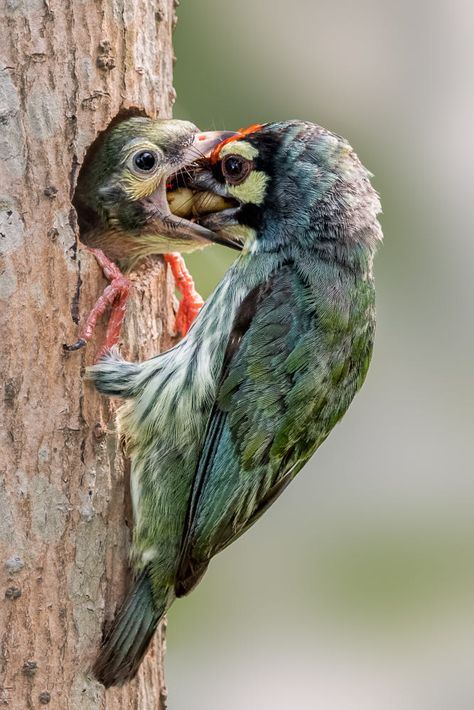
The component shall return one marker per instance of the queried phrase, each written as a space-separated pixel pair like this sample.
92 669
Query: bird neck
275 245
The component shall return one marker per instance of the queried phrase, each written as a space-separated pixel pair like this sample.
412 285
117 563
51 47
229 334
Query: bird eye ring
235 168
145 161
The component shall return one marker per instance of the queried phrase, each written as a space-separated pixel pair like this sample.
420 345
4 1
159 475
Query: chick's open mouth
200 206
191 202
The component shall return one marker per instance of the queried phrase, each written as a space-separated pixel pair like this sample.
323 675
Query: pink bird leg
191 302
116 295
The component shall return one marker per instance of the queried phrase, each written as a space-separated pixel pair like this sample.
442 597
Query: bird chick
123 212
218 426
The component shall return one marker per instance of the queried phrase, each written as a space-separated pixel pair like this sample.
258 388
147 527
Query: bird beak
204 143
225 240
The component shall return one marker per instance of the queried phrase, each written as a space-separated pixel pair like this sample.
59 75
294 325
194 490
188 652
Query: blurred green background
356 590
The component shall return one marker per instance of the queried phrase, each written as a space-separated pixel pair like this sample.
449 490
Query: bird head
121 192
293 185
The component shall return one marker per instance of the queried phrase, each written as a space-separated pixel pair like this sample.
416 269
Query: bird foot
115 295
188 310
191 302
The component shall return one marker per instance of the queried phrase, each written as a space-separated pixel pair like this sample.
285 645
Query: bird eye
235 168
145 161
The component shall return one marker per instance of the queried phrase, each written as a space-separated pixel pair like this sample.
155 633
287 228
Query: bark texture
67 67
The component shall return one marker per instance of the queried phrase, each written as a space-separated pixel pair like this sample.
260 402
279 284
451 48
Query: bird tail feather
132 631
114 376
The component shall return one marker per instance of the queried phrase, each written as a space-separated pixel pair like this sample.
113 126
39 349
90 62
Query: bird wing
264 423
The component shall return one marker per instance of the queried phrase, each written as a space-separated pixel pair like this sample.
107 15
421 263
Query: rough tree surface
67 67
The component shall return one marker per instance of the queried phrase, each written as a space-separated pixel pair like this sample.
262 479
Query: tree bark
67 67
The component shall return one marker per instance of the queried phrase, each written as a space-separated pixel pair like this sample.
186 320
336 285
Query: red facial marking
241 133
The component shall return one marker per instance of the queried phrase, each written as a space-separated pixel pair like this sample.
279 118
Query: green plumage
277 402
132 631
218 426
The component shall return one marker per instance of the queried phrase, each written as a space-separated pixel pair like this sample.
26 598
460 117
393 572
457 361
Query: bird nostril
202 137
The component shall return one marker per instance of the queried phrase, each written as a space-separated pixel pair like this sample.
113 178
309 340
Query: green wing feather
284 386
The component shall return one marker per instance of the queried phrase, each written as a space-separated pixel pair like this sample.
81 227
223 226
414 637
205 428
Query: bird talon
75 346
114 295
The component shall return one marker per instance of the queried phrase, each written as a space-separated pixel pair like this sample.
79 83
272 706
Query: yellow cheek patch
138 187
239 148
247 234
252 189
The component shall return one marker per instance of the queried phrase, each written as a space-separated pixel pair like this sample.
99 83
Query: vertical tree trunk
67 67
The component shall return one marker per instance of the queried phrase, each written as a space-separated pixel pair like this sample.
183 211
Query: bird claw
115 295
75 346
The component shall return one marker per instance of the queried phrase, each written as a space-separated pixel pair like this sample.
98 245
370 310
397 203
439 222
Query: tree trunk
67 67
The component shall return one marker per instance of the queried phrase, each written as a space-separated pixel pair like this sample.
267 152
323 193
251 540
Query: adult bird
124 215
218 426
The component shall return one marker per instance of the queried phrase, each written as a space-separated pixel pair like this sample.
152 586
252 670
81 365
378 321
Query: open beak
184 231
201 147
